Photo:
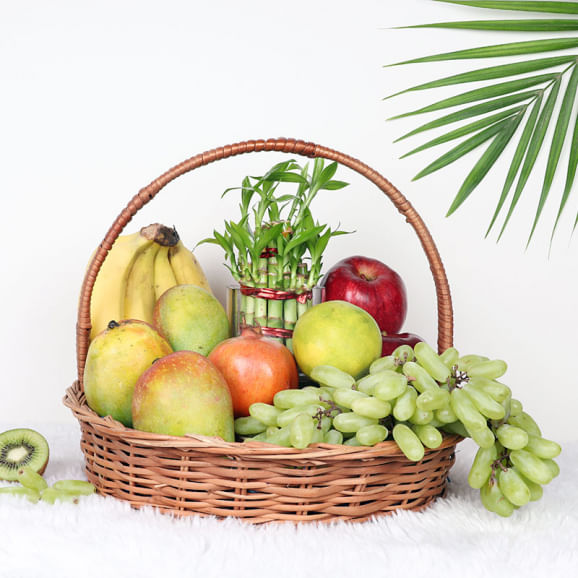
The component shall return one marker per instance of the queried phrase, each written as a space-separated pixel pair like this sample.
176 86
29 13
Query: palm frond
484 93
499 50
524 6
543 25
517 158
510 97
491 72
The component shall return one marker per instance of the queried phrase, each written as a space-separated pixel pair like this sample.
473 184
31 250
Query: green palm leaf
557 143
533 149
499 50
476 110
484 93
492 72
525 6
465 130
486 162
498 108
571 174
549 25
465 147
517 158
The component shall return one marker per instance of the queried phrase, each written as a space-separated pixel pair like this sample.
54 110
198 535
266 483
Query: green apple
191 318
115 360
183 393
336 333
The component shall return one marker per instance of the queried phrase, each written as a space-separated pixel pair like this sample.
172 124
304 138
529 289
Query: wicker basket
254 481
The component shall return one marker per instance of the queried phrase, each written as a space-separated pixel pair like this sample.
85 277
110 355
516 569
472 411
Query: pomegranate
255 368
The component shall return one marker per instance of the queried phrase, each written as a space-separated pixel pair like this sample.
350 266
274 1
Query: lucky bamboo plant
274 251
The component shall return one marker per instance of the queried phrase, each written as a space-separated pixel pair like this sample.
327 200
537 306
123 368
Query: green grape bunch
413 397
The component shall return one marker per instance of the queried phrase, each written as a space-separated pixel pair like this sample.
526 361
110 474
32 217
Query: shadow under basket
255 481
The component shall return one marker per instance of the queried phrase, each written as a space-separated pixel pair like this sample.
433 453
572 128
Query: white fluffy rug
103 537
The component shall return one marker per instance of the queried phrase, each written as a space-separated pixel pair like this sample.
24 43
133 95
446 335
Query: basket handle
291 146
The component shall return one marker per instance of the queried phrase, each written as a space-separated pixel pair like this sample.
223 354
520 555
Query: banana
186 267
138 269
108 294
140 296
164 278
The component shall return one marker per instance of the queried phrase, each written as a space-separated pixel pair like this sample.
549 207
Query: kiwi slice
22 447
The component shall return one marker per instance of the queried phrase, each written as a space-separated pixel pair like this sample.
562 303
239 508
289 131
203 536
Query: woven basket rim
76 402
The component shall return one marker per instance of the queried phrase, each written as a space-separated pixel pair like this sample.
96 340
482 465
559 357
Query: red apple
389 343
371 285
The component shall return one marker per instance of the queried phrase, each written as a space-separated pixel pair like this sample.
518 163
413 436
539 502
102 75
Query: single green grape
512 437
484 402
30 478
421 417
345 397
419 377
408 442
288 398
302 429
466 411
495 389
381 363
350 422
526 422
389 384
481 468
450 357
265 413
369 435
333 436
371 407
516 407
404 353
445 414
405 405
494 500
429 436
513 487
431 361
433 399
248 426
483 437
490 369
30 494
332 376
465 362
531 466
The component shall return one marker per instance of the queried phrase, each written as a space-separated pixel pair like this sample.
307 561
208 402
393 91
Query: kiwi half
22 447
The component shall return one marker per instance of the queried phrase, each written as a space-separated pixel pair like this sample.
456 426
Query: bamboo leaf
499 50
517 158
483 93
334 185
327 173
491 72
485 163
533 149
570 175
533 25
521 5
464 130
463 148
557 143
267 236
303 237
286 177
475 110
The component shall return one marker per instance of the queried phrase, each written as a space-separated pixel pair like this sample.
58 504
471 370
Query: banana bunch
138 269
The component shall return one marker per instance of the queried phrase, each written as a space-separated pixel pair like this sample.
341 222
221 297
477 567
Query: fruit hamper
255 481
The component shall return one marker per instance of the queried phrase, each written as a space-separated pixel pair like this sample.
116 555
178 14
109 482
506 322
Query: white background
98 99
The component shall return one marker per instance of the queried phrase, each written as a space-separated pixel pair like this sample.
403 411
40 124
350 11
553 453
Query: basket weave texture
255 481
